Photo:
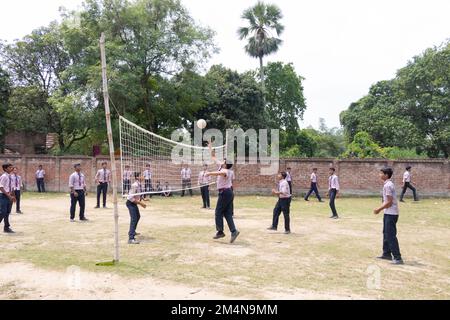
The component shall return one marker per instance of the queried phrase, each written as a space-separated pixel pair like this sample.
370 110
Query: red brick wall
357 177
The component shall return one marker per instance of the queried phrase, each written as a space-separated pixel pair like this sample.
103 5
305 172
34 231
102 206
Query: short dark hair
408 167
314 169
77 165
288 168
104 162
40 165
6 166
283 174
387 171
333 169
137 175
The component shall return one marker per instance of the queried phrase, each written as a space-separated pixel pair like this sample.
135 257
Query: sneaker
271 229
133 241
19 212
84 219
8 230
334 217
287 232
397 261
402 200
234 235
72 220
306 200
97 207
383 257
219 235
321 201
105 207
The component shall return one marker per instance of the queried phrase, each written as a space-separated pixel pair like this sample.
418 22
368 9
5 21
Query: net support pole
111 148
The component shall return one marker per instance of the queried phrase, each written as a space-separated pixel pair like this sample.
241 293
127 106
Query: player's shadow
414 264
145 239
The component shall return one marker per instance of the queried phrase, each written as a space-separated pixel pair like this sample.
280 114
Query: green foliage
396 153
410 111
363 146
285 102
5 91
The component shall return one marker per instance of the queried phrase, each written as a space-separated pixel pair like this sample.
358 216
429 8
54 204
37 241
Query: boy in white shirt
17 185
333 192
283 204
133 200
407 184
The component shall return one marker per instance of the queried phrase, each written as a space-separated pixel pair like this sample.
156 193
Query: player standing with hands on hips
390 207
224 208
77 185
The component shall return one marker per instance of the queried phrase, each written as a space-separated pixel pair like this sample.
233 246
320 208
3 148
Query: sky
340 47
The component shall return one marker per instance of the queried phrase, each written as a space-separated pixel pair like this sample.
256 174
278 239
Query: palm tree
262 20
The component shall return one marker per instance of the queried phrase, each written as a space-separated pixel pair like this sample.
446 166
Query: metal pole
111 148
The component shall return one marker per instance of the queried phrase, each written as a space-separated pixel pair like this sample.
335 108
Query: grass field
177 258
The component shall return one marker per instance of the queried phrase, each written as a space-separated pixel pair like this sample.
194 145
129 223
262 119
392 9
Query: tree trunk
261 72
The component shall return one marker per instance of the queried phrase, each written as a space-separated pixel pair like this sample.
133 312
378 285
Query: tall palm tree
263 20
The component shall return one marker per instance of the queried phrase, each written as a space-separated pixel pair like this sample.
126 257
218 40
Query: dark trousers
314 189
332 193
73 203
40 184
135 216
407 186
224 210
390 241
5 210
102 188
205 196
283 205
17 195
148 187
186 183
126 186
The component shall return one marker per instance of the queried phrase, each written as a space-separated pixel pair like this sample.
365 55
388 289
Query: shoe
97 207
334 217
234 235
306 200
105 207
397 261
402 200
202 207
84 219
321 201
19 212
219 235
287 232
72 220
383 257
271 229
8 230
133 241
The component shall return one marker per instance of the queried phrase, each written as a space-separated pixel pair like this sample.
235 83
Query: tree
363 146
5 91
285 103
262 21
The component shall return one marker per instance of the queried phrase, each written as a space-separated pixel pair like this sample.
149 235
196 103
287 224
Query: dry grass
322 258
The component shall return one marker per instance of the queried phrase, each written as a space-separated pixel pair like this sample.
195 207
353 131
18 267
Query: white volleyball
201 124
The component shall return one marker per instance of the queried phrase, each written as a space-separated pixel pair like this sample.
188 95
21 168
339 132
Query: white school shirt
135 188
203 179
148 174
127 175
185 173
313 177
6 182
288 177
40 174
406 176
16 182
283 187
333 182
103 175
389 190
225 182
77 181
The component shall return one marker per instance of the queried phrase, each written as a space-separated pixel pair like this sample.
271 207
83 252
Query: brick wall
357 177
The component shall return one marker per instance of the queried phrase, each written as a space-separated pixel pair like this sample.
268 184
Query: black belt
223 189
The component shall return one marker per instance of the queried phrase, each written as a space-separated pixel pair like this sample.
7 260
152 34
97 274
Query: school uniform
231 173
407 185
103 177
204 181
289 181
133 208
186 181
167 191
77 181
40 175
283 205
390 242
5 202
17 184
333 189
313 188
148 181
224 204
126 181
